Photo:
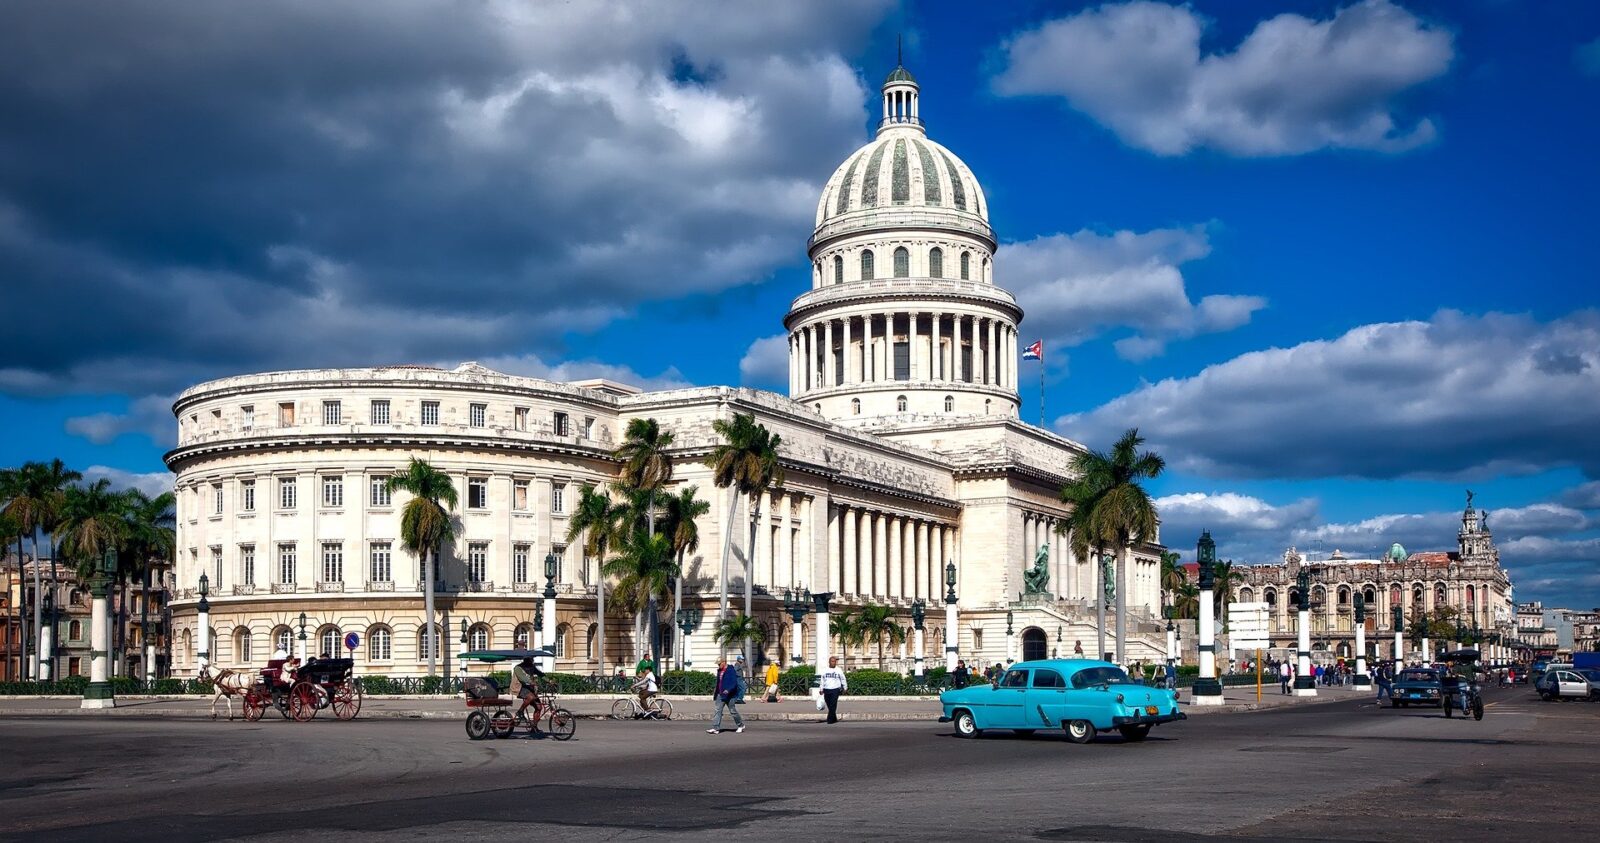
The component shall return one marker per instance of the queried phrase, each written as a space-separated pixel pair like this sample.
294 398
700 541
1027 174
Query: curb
771 717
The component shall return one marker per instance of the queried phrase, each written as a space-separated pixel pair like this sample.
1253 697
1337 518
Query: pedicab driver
527 688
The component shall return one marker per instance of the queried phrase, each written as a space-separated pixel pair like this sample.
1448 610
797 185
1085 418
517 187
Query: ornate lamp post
99 693
1305 685
1361 681
1172 639
1399 636
687 619
950 630
796 602
1011 653
464 647
919 613
301 651
1207 690
819 604
47 638
547 625
204 622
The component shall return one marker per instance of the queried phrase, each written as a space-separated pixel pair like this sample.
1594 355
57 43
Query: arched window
380 644
902 263
283 639
1371 598
1438 595
328 641
522 638
1272 599
936 262
986 278
478 637
241 646
949 403
75 597
966 265
1247 595
855 406
1416 596
422 644
866 265
563 647
900 403
75 630
838 269
188 646
592 642
1394 596
1344 596
1294 599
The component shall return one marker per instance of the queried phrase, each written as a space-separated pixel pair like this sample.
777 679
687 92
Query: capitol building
901 445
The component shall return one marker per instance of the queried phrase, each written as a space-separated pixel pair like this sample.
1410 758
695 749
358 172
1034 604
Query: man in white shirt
833 684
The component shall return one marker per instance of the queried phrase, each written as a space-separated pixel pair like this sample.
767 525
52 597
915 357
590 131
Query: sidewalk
794 709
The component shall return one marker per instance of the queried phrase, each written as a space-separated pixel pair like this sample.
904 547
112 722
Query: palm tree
1123 509
846 627
1172 575
1186 601
680 522
644 570
1225 576
746 461
151 541
425 525
38 493
877 623
1083 493
601 524
739 628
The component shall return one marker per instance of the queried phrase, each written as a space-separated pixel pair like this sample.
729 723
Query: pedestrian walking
833 683
1172 676
739 670
960 676
772 682
1385 681
726 696
1285 673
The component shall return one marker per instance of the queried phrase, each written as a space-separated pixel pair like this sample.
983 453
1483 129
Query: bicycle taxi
492 713
1461 690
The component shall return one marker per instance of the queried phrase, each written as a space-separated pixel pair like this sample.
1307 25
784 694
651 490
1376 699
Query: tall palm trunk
145 666
1122 603
750 575
1100 602
650 642
38 613
430 635
50 657
600 614
727 548
677 606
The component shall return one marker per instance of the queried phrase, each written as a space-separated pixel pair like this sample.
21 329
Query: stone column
952 631
936 370
957 326
925 541
848 578
828 369
1361 680
993 357
884 581
896 557
844 351
783 556
833 580
548 632
1207 681
912 342
888 347
819 604
761 555
808 541
865 571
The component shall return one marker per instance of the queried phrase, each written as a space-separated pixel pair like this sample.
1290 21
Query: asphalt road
1335 771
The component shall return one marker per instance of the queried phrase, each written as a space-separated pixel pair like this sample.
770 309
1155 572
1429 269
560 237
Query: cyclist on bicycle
525 674
645 687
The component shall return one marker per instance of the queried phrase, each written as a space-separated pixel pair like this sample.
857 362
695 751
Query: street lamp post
819 604
99 693
1172 639
1011 653
1305 685
797 602
47 638
1361 681
686 618
547 629
203 619
536 641
1399 637
951 633
464 648
919 613
300 652
1207 690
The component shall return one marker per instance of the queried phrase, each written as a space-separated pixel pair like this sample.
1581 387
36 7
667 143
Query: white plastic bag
822 705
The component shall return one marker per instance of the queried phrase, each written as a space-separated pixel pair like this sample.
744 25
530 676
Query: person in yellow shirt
772 681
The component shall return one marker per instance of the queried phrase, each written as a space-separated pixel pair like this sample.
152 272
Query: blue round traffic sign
351 641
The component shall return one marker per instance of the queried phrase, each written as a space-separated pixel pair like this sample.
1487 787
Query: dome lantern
900 92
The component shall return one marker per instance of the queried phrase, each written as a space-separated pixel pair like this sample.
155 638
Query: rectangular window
558 503
381 496
248 412
286 563
247 564
477 561
477 414
286 414
333 491
902 361
380 411
332 411
381 570
559 424
519 563
588 428
519 495
520 415
478 493
216 498
247 496
430 412
332 562
286 493
216 568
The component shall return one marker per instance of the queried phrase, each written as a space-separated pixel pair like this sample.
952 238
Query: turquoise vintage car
1082 696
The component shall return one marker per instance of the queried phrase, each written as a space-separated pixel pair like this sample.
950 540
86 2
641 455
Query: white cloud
1293 85
151 483
1452 396
1583 496
1233 510
531 366
1076 287
150 416
766 363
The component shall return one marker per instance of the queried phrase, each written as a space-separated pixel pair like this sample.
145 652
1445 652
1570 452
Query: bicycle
628 708
560 723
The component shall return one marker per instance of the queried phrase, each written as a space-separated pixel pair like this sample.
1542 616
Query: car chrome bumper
1151 719
945 718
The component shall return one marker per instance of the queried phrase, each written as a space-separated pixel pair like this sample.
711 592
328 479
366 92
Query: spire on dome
900 95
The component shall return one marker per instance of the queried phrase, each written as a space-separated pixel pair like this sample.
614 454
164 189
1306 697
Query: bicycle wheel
501 723
622 709
661 709
1477 708
562 724
477 725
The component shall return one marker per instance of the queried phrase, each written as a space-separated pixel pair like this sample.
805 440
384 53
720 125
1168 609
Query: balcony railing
387 585
333 587
283 588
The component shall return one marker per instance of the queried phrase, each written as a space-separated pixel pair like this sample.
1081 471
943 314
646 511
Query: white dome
899 169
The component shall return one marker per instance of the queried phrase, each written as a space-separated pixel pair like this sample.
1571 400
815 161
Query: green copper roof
900 74
1397 553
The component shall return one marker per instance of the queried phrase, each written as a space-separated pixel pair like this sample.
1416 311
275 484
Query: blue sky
1333 258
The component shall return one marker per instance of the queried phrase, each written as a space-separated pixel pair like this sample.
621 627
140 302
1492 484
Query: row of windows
379 496
379 411
902 265
900 404
378 641
380 563
1370 595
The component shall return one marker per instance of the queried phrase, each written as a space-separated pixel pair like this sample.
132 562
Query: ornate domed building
905 463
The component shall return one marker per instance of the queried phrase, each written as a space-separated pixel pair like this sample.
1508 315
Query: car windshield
1591 674
1015 679
1419 676
1092 676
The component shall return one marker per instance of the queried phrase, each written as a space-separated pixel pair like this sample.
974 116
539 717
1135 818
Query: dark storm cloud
186 190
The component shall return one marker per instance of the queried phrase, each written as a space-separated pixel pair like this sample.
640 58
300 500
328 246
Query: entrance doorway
1034 644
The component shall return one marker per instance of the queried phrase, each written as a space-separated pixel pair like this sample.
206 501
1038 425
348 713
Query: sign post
351 642
1247 630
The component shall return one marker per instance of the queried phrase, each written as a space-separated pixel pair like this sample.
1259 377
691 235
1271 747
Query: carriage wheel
562 724
255 705
502 723
347 700
302 701
661 708
477 725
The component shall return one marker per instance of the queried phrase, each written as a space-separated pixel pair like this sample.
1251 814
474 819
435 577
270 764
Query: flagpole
1041 388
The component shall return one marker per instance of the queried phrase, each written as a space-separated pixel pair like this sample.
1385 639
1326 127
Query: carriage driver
524 674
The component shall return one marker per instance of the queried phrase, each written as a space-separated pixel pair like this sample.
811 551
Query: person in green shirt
645 665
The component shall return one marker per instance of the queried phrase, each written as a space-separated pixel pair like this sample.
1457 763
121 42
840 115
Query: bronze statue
1036 580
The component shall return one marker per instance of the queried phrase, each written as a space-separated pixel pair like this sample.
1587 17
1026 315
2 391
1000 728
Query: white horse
228 683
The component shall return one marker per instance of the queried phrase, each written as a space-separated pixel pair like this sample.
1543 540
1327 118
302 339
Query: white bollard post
820 604
796 639
1362 681
1207 690
1305 685
99 693
549 631
952 633
920 670
47 649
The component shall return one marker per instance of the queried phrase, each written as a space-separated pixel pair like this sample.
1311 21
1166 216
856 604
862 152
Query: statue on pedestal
1036 580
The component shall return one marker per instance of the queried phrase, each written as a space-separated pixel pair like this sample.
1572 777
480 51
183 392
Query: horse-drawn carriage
299 692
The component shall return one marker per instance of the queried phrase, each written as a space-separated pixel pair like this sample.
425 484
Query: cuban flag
1035 351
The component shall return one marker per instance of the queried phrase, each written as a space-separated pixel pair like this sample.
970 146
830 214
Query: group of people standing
729 691
1339 673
